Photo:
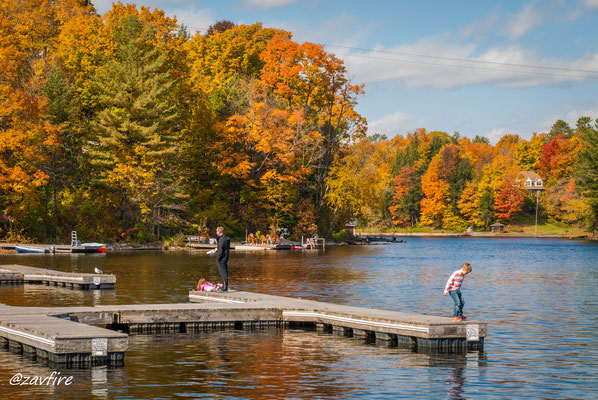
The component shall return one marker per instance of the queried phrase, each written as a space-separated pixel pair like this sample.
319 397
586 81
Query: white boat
78 247
89 248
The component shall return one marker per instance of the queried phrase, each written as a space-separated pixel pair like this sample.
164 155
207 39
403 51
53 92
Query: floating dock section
45 335
19 274
419 332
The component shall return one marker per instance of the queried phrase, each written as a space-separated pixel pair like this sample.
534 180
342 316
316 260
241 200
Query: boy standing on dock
453 287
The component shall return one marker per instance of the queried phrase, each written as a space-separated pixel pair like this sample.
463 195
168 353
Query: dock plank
383 321
39 275
64 334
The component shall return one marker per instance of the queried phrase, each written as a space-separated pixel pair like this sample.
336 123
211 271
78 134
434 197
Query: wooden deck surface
25 274
64 334
393 322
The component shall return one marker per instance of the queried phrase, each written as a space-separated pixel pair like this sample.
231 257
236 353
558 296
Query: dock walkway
54 337
422 332
99 335
23 274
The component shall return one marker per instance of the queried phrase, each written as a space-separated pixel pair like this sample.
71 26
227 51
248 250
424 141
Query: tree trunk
331 226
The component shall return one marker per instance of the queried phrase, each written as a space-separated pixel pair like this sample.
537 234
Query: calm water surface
539 297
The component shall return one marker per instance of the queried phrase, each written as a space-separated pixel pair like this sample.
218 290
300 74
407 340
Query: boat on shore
31 249
78 247
82 248
89 248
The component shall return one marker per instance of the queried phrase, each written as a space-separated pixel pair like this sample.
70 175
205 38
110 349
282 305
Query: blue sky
476 67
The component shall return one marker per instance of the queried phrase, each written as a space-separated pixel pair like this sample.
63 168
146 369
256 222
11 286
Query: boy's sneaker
463 317
457 318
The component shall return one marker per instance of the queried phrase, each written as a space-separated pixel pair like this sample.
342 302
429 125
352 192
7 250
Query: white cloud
574 115
591 3
481 26
393 124
102 6
495 134
442 63
571 116
343 29
183 10
199 20
573 15
527 19
266 4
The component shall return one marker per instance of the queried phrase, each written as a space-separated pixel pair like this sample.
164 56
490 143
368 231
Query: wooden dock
75 336
420 332
20 274
54 337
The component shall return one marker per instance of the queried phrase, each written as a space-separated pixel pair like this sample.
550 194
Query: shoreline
476 234
155 247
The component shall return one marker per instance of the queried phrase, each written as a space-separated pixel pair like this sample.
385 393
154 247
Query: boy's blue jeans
458 299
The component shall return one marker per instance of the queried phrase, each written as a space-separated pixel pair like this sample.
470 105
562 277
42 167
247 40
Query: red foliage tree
509 201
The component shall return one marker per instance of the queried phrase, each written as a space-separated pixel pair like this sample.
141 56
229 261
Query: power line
477 64
456 59
474 67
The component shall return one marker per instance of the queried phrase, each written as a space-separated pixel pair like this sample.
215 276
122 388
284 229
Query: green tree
583 125
134 130
560 127
587 173
481 139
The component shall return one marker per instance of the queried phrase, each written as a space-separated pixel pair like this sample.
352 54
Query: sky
474 67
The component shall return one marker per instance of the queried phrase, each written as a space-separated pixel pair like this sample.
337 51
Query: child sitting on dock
453 287
205 286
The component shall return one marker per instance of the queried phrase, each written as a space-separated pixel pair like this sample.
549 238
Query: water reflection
539 297
85 383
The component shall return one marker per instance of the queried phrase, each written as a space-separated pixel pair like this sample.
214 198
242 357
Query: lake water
539 296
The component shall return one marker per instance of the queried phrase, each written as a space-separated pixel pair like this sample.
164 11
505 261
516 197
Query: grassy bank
523 226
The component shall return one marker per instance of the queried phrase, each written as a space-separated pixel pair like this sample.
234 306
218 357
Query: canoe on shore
30 249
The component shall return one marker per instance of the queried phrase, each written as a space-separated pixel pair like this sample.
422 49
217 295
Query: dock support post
14 346
359 333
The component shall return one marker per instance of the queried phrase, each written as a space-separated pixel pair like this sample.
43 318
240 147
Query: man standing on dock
222 253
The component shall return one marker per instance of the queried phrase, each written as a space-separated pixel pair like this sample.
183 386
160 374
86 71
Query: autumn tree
416 152
436 194
224 58
442 185
404 209
313 83
564 203
528 152
359 181
509 201
558 159
220 26
30 133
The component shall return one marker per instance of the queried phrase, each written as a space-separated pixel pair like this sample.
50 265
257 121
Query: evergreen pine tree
135 128
587 173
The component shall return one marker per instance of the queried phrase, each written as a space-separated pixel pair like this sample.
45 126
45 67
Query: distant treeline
125 127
